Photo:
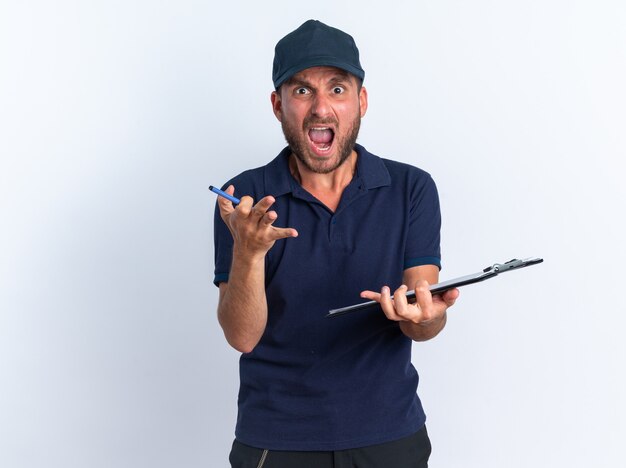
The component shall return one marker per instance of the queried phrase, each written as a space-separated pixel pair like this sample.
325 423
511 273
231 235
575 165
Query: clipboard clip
511 265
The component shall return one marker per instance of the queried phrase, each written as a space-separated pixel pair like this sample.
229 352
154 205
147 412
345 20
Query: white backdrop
116 116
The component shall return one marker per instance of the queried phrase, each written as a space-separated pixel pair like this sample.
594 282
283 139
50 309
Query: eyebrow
340 77
295 82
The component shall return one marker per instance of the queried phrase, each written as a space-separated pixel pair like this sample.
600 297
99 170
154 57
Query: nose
321 106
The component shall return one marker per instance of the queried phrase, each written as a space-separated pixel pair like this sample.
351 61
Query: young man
315 391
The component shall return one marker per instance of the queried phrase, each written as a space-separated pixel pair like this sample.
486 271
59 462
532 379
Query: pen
221 193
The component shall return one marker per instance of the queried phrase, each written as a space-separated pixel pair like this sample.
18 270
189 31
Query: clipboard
489 272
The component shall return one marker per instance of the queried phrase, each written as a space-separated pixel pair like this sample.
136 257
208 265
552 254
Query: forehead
321 74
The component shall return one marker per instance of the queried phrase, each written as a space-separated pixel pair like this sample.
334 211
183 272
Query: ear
277 105
363 101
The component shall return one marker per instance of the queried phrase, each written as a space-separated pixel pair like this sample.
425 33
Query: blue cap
315 44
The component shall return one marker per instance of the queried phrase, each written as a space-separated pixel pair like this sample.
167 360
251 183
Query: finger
424 299
386 303
400 302
277 233
283 233
260 209
371 295
268 218
245 206
450 297
226 206
422 293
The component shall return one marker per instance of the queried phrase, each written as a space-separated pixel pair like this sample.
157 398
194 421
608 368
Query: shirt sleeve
423 240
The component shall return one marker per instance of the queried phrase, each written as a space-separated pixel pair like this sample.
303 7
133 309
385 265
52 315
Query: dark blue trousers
410 452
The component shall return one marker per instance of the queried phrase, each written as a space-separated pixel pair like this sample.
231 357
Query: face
320 111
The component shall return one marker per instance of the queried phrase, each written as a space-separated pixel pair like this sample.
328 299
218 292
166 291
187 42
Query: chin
321 165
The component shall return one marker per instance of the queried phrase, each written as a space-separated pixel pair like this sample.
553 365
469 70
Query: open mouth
321 138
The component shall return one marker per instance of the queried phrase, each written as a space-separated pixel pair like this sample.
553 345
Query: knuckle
386 305
429 314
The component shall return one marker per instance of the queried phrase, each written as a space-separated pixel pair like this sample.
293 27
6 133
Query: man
319 392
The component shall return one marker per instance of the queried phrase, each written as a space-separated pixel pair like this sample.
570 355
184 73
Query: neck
327 188
334 181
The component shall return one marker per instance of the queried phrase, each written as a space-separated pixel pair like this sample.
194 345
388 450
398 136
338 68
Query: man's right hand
252 225
243 317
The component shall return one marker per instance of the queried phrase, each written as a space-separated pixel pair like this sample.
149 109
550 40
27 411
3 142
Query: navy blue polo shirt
314 383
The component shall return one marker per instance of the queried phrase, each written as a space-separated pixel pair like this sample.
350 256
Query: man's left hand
421 320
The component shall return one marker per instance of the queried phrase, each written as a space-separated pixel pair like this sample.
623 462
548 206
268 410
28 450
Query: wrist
247 257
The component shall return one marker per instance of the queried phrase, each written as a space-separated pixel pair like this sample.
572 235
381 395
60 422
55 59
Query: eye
338 90
302 90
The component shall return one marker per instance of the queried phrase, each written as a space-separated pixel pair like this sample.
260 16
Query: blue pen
221 193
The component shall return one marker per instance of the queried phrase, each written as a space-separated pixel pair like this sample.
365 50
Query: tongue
321 136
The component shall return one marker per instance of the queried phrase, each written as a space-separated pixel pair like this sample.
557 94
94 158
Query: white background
116 116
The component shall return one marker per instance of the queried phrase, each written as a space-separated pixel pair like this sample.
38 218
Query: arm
427 317
242 307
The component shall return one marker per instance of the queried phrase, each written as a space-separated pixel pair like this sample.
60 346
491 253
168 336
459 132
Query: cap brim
319 62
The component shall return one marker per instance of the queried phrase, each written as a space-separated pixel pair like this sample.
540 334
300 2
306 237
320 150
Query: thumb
226 206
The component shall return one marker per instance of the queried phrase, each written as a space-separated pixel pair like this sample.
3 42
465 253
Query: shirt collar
370 169
277 176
